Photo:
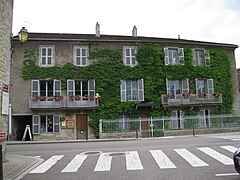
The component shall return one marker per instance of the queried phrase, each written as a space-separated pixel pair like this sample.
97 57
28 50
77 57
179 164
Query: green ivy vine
108 70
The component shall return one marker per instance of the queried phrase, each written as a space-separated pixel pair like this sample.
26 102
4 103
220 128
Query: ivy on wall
108 70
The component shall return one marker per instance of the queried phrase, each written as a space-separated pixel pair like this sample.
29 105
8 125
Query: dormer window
129 57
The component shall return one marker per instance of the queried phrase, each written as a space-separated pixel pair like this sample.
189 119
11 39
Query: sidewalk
15 166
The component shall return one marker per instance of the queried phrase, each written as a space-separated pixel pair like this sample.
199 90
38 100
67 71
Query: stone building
6 14
56 79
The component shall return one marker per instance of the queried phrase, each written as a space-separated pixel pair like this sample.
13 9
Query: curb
68 141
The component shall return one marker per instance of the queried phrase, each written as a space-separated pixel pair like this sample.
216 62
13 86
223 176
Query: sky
201 20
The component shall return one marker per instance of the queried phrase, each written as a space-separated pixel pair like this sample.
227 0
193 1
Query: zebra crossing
134 162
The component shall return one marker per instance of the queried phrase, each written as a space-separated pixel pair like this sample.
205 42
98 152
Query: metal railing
190 99
42 102
153 127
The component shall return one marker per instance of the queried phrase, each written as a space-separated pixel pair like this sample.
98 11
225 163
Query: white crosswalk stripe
76 162
216 155
191 158
162 160
133 161
104 162
230 148
47 164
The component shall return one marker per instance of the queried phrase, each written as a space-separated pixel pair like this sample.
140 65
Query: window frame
140 90
183 86
71 89
205 60
80 56
52 56
208 83
38 124
180 56
36 91
132 58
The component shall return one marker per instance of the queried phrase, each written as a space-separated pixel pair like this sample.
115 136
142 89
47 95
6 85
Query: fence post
163 124
151 124
194 130
136 129
100 128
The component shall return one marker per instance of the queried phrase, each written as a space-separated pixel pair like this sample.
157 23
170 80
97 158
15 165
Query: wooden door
145 130
82 126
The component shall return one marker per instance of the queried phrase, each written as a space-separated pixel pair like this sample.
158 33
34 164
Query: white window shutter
123 90
35 88
57 88
207 57
185 86
166 56
56 124
91 87
194 63
70 88
140 90
168 88
36 124
210 86
181 55
181 119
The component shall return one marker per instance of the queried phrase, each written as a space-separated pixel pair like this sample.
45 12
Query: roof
116 38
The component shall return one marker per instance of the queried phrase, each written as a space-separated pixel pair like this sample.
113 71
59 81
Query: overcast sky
204 20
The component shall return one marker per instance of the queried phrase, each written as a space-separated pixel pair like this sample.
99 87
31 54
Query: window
177 119
81 89
129 56
46 124
132 90
46 56
204 118
80 56
174 56
204 86
200 57
46 89
177 86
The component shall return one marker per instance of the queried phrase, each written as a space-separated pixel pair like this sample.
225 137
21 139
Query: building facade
63 84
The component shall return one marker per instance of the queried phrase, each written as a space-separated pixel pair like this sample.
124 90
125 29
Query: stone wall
6 13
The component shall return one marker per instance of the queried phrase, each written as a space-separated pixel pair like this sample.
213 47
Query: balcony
42 102
173 100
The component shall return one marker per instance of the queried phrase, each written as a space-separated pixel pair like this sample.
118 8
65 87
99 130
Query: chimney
97 30
134 31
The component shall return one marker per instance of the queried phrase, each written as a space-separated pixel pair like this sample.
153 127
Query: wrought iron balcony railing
42 102
191 99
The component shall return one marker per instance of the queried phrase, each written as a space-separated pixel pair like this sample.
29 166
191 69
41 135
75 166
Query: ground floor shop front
69 126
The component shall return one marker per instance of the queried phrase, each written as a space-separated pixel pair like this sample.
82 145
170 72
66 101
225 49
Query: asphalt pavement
16 167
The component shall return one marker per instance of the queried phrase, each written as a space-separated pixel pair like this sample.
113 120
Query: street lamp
23 35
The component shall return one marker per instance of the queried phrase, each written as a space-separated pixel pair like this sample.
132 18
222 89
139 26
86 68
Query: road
197 158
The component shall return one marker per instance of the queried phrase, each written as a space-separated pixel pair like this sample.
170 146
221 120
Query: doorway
144 125
82 126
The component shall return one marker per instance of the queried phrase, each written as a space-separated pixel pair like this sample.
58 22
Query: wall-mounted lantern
23 35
